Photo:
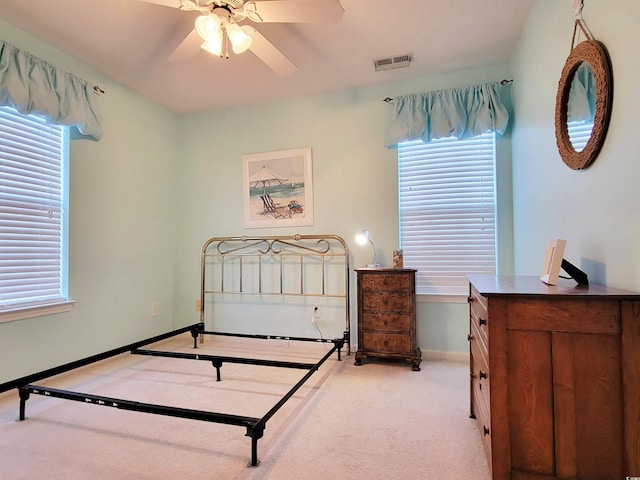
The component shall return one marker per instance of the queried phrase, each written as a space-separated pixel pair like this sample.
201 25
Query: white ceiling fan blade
269 54
188 48
308 11
164 3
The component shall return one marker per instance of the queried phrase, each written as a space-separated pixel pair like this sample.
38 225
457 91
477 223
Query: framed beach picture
277 189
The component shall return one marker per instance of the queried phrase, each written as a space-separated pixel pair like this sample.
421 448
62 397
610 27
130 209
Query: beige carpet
377 421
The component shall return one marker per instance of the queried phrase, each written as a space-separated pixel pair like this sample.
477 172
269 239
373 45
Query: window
33 213
579 133
447 211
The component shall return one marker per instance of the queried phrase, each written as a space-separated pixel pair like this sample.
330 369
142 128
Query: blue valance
31 85
457 112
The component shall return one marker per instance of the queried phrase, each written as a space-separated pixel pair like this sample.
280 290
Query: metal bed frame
232 255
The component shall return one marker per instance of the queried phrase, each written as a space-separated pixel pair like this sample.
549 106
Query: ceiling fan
219 24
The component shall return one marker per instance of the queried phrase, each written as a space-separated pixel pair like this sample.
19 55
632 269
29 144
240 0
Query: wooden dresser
555 378
387 315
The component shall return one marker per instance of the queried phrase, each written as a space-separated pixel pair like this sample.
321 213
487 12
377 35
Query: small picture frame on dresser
553 261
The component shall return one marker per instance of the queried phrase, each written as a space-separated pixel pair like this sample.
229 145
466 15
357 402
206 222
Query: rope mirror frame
595 54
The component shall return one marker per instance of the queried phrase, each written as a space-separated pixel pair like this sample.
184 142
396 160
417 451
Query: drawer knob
482 321
470 337
485 430
483 374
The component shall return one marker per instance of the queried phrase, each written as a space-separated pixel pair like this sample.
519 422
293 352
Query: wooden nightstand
387 315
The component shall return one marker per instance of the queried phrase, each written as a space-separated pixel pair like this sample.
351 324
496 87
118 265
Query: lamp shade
238 37
362 237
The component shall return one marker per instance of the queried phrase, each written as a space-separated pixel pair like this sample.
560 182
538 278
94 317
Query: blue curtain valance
31 85
458 112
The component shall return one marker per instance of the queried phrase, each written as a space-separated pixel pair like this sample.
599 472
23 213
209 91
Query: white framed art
277 189
553 261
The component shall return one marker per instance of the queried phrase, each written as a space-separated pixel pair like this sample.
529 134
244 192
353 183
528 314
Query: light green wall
146 197
123 205
595 210
354 182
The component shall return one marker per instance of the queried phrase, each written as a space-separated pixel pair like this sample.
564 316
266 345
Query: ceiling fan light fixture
213 45
208 27
238 37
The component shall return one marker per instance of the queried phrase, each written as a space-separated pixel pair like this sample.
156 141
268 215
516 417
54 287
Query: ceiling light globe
213 45
208 26
239 38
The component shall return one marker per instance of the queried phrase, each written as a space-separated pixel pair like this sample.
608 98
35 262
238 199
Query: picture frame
553 261
277 189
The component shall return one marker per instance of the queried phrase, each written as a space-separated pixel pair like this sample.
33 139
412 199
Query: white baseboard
438 355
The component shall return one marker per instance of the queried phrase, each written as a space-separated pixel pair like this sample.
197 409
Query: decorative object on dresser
398 258
554 261
555 377
387 315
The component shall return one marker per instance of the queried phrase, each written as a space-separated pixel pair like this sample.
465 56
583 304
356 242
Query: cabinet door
530 402
565 408
588 406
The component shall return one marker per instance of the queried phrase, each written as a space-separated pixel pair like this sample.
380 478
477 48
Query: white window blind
447 211
32 220
579 134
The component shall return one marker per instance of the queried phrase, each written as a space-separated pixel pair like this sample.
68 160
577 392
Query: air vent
389 63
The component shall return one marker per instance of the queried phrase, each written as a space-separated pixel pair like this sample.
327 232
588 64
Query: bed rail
313 266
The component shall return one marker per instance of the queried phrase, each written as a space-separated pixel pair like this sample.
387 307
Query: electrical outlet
316 313
155 310
198 305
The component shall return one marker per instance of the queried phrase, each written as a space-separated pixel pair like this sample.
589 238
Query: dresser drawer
483 419
386 302
479 315
386 322
386 282
480 370
386 343
480 393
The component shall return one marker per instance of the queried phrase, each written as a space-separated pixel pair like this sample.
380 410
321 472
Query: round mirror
583 103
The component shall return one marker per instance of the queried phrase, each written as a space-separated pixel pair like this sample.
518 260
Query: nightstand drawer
386 322
386 302
387 343
386 282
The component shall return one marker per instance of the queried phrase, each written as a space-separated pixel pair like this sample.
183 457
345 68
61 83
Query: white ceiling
130 41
